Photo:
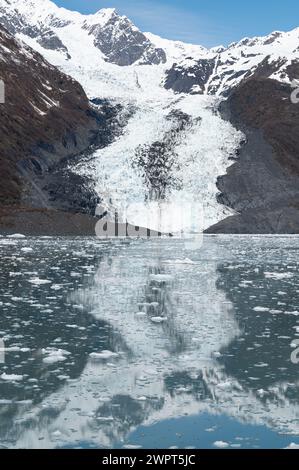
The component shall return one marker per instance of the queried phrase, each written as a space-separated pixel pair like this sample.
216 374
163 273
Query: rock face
191 76
158 162
17 23
46 123
263 184
122 43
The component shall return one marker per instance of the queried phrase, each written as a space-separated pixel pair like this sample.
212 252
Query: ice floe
16 235
221 444
158 319
11 377
103 355
53 355
39 282
278 276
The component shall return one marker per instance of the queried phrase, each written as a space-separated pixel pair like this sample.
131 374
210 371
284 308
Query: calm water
149 344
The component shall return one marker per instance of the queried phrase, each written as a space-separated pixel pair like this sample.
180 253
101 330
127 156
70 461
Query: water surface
149 343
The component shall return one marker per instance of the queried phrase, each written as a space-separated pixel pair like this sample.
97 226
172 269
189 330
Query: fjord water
149 343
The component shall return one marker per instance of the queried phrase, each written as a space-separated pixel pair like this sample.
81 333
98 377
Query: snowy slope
155 79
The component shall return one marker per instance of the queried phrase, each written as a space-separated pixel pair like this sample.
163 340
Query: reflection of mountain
36 319
194 359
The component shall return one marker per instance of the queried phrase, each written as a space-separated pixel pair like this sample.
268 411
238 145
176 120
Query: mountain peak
106 11
102 16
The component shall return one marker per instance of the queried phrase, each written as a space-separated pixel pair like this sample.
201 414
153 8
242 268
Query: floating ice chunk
261 309
26 249
279 276
161 278
187 261
158 319
10 349
103 355
56 287
217 354
39 282
180 261
221 444
54 355
12 377
53 359
261 392
105 419
16 235
140 314
131 446
63 377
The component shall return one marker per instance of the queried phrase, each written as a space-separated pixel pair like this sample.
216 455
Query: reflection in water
107 339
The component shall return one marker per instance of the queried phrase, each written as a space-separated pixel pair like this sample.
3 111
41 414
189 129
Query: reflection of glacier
175 325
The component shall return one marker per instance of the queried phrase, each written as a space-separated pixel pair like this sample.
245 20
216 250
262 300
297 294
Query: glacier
199 153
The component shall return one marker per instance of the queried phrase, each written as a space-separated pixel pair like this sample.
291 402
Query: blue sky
207 22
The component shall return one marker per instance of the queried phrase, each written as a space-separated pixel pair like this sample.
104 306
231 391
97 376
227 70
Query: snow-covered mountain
270 55
115 36
120 42
169 93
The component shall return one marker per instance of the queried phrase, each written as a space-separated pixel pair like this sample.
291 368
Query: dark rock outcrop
263 184
45 36
157 162
189 79
47 122
123 44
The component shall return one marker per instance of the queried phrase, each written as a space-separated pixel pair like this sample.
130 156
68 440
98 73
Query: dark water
149 343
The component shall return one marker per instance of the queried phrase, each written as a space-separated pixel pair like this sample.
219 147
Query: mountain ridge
158 82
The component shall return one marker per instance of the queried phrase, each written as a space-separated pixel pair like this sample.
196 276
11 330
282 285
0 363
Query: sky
206 22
